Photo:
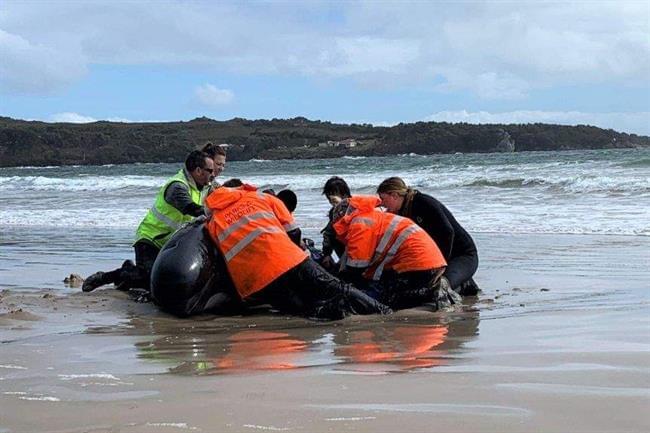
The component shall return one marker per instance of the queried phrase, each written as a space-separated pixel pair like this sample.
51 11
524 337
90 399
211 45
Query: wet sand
558 341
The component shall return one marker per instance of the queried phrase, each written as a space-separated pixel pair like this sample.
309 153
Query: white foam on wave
553 175
180 425
89 217
76 184
503 194
86 376
477 213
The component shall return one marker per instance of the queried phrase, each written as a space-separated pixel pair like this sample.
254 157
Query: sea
58 220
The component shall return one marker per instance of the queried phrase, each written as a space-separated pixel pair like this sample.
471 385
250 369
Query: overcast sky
379 62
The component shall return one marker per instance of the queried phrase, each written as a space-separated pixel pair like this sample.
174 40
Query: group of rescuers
410 254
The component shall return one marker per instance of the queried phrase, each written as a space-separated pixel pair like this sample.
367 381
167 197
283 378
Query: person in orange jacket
389 256
259 240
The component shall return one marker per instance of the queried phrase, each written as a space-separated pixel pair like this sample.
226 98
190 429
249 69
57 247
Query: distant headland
39 143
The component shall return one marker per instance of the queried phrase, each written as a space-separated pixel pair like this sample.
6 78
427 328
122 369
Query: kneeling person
389 256
177 202
258 239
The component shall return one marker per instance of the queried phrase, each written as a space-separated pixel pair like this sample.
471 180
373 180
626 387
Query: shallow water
559 336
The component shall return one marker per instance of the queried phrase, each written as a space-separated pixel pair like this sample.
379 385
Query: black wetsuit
456 245
331 244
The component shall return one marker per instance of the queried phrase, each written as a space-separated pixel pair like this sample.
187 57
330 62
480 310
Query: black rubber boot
468 288
96 280
128 272
131 276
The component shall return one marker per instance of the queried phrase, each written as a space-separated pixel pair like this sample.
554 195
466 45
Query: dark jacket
330 243
452 239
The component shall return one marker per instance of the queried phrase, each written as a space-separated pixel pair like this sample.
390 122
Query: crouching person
390 257
258 238
177 202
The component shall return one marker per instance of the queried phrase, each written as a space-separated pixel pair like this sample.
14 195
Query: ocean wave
34 167
354 158
570 184
311 216
638 163
81 183
429 179
625 230
505 183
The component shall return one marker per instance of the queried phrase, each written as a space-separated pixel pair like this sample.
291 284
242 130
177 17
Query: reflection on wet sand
221 346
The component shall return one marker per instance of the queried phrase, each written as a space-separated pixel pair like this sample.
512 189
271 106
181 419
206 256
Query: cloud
71 117
211 96
28 68
488 85
495 50
638 123
362 55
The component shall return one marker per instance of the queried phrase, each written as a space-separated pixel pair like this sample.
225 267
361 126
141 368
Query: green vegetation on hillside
39 143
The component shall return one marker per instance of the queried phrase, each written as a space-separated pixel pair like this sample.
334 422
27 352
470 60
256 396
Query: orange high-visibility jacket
380 240
249 228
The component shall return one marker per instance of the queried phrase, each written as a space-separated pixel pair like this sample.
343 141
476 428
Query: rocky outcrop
506 143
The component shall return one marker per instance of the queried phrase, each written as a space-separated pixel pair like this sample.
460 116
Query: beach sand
558 341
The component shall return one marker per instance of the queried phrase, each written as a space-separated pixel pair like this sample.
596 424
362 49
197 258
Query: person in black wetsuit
177 202
336 190
456 244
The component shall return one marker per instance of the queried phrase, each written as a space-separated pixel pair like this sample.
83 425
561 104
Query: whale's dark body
189 275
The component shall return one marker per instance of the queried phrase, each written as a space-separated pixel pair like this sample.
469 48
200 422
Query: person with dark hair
453 240
289 199
177 202
336 190
233 183
286 196
259 241
389 257
218 154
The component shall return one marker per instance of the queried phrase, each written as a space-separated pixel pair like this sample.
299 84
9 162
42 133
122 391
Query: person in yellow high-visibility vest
178 201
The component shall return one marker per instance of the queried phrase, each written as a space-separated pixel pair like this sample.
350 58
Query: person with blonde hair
456 244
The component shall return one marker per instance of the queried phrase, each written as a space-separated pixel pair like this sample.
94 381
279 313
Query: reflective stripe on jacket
381 241
249 228
163 219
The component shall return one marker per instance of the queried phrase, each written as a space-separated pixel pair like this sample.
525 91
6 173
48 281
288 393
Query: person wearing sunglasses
178 201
